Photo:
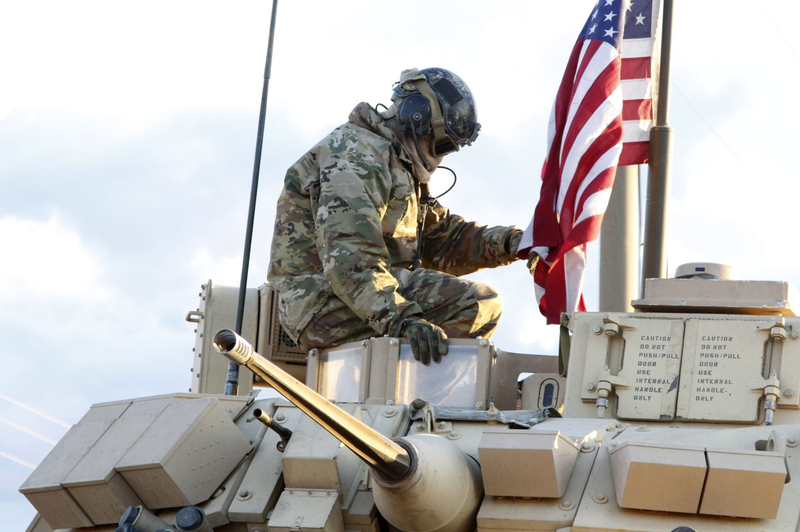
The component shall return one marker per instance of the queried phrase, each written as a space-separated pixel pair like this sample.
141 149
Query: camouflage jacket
346 226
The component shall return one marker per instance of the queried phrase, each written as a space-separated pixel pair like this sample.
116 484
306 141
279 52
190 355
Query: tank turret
684 414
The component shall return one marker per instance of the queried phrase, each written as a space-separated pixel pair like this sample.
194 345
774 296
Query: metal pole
232 384
619 243
654 258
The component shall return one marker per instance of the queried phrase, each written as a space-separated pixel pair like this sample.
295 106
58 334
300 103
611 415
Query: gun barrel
378 451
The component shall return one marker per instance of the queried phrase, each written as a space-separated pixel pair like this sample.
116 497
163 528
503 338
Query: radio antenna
232 383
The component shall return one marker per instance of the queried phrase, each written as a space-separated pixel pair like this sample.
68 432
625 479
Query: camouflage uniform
346 236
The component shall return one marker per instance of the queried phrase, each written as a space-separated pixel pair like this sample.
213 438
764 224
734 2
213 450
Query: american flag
600 119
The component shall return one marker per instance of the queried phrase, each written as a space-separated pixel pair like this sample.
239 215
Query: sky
127 138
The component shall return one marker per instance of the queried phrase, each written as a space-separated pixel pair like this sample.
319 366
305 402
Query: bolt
280 417
597 329
453 436
788 392
791 442
390 402
418 428
484 343
600 498
566 505
394 342
479 405
441 424
389 412
795 334
313 352
364 343
591 386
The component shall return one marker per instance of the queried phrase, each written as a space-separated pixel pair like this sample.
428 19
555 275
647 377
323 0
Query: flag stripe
636 89
636 130
637 48
637 109
604 144
632 152
591 115
635 68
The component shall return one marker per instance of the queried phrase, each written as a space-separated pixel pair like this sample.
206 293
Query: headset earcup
415 115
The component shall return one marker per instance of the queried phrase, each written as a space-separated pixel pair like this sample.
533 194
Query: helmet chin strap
419 152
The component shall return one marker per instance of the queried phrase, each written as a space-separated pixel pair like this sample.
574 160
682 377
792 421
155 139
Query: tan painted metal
375 449
519 463
442 493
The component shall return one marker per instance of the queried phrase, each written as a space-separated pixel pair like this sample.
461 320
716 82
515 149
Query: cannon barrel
382 454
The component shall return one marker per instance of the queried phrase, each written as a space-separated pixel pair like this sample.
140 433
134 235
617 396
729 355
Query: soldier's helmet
456 106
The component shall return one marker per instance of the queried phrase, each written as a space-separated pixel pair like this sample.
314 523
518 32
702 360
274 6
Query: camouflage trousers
463 308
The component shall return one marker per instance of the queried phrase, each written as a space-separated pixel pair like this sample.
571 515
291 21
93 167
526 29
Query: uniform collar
364 115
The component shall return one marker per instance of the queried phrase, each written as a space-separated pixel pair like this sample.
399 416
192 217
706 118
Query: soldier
360 247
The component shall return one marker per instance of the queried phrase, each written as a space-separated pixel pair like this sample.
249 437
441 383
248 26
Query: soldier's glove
427 340
533 260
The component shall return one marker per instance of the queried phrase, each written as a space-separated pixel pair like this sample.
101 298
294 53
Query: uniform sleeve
355 186
458 247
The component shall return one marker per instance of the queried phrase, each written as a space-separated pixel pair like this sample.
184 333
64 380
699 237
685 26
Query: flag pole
619 243
654 256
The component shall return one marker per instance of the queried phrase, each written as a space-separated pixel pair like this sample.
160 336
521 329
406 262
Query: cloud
46 259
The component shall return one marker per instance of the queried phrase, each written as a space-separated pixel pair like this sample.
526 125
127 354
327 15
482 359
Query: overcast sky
127 133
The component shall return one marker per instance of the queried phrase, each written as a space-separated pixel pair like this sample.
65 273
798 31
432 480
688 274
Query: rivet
600 498
389 412
453 435
390 402
791 442
479 405
597 329
566 505
280 417
484 343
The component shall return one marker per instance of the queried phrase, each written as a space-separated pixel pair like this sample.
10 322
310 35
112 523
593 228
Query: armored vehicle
682 415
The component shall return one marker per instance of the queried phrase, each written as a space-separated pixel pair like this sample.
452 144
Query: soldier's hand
533 260
428 341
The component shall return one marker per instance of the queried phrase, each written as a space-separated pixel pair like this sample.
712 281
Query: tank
682 415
